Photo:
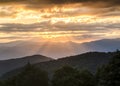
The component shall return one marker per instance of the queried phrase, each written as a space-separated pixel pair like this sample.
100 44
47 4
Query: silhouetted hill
90 61
11 64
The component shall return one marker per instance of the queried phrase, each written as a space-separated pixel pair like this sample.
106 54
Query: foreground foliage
68 76
108 75
30 76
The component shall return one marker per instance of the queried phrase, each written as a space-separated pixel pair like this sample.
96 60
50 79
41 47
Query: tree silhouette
30 76
109 75
65 76
86 78
68 76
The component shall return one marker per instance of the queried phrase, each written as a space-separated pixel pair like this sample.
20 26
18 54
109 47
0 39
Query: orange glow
64 15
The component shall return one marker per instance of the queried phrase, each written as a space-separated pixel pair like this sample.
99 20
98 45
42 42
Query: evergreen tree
86 78
109 75
30 76
1 84
68 76
65 76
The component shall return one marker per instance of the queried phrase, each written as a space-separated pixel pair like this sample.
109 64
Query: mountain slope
90 61
8 65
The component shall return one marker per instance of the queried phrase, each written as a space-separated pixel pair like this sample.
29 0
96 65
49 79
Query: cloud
7 14
38 3
59 26
75 31
56 7
82 19
19 27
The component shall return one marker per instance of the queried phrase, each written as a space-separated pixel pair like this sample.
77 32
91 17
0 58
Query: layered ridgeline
11 64
90 61
55 50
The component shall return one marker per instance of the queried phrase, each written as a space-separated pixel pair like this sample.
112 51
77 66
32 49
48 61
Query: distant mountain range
11 64
90 61
19 49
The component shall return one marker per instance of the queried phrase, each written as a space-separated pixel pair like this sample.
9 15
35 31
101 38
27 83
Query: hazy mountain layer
55 49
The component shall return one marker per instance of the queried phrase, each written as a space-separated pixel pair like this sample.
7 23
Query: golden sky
59 20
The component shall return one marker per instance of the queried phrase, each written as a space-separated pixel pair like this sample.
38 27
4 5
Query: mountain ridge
11 64
56 50
90 61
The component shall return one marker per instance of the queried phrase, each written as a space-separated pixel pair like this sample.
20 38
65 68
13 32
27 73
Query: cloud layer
110 2
76 19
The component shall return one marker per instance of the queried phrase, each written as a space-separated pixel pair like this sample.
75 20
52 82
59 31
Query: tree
68 76
109 75
1 84
65 76
30 76
86 78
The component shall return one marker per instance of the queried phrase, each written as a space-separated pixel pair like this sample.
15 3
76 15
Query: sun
50 36
56 38
53 38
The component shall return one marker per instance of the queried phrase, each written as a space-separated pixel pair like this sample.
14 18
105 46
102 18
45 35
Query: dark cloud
101 7
19 27
38 3
47 26
90 3
11 1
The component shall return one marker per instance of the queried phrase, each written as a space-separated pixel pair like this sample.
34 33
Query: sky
59 20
